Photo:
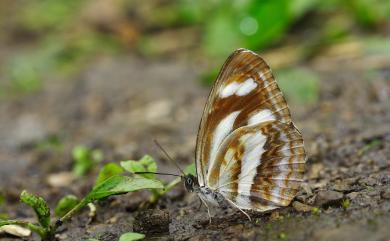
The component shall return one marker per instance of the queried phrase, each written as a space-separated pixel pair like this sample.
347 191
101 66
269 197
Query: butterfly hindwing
260 166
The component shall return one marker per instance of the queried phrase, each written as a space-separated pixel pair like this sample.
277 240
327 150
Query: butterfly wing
245 93
260 166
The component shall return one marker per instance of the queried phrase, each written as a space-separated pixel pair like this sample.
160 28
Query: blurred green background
42 40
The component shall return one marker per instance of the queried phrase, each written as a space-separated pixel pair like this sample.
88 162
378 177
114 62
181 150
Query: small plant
148 164
145 164
257 221
283 236
68 206
316 211
85 159
369 146
109 182
345 204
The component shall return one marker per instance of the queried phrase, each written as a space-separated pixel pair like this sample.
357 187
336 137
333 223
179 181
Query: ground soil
121 105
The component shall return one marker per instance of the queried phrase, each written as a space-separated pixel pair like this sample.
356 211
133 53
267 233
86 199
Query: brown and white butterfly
248 151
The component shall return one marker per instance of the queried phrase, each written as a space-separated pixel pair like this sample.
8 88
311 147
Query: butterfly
248 151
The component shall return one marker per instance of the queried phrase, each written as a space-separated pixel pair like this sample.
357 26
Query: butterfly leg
232 203
200 203
208 209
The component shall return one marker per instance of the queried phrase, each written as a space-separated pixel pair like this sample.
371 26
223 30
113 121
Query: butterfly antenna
158 173
169 157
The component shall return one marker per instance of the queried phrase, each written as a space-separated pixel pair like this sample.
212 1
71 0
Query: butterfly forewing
248 148
245 93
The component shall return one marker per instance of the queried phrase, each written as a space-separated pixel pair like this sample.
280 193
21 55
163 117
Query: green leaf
145 164
369 12
5 222
221 34
40 207
119 185
251 24
109 170
66 204
131 236
93 239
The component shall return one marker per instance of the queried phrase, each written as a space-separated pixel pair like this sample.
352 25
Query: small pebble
61 179
386 194
368 181
352 195
301 207
341 187
328 198
152 221
15 230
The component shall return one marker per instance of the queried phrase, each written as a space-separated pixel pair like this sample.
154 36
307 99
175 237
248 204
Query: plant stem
70 214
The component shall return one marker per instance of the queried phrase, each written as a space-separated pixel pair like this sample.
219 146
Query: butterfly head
190 182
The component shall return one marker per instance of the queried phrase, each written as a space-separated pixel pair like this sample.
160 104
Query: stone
301 207
352 195
328 198
275 216
341 187
61 179
386 193
15 230
315 170
152 221
368 181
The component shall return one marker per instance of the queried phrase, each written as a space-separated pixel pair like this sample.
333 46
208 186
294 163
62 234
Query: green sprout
316 211
371 145
109 182
69 206
283 236
52 142
85 159
345 204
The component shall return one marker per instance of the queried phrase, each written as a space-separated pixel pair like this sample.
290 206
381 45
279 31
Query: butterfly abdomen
211 196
